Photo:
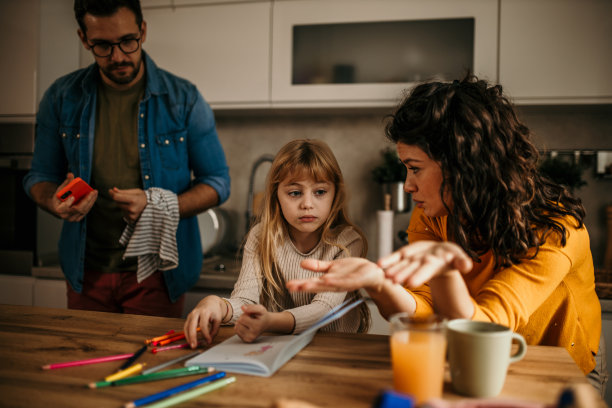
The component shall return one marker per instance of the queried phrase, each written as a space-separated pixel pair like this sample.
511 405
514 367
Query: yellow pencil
134 369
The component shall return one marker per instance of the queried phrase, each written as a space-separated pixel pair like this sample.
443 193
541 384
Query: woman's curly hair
500 202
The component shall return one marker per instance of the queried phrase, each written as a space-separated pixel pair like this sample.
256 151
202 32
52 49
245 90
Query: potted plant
390 174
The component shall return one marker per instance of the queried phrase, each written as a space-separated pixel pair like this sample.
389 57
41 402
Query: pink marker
88 361
173 347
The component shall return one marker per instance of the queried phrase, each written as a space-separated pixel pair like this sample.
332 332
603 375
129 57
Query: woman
491 239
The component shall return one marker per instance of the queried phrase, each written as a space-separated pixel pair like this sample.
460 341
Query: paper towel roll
384 220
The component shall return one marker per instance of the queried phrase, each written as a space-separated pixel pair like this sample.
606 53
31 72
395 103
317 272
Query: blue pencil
175 390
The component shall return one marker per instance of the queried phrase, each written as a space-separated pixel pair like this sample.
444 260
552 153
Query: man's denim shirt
176 136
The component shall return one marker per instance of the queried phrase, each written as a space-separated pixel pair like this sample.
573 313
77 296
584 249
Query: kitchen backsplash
357 137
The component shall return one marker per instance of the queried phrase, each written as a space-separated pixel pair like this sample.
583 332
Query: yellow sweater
550 299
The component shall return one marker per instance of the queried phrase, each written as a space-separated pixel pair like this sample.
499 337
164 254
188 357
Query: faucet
249 212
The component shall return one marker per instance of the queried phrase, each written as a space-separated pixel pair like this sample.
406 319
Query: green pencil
162 375
184 396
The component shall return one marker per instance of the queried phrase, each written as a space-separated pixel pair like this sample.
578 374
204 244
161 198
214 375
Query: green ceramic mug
479 356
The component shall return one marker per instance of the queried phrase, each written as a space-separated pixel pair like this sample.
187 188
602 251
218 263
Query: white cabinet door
290 16
606 329
224 49
19 50
59 45
50 293
556 51
16 290
155 3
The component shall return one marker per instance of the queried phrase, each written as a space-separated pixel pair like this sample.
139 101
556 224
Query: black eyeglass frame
112 45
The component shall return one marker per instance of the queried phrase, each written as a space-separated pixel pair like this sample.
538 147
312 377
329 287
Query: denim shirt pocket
172 148
71 138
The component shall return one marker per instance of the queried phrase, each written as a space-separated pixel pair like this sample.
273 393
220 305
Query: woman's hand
418 263
345 274
254 321
208 315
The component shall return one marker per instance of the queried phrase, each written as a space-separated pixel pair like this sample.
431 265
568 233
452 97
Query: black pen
131 360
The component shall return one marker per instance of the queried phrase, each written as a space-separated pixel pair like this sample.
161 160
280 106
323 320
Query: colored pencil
184 396
174 390
164 336
163 375
178 337
155 341
169 363
134 369
131 360
87 361
173 347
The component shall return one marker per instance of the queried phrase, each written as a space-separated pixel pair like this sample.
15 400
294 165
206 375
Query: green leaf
391 169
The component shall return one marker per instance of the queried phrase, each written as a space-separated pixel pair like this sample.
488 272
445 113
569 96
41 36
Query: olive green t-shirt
115 164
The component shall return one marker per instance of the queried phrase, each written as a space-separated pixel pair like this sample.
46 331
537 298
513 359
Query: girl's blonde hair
298 159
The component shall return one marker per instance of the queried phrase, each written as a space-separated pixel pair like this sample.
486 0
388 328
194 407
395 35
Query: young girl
303 216
491 238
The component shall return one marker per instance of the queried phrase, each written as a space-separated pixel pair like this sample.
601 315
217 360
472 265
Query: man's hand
66 210
132 202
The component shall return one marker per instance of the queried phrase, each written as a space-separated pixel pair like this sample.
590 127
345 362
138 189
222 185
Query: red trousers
119 292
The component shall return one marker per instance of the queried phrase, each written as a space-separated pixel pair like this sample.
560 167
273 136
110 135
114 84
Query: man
144 139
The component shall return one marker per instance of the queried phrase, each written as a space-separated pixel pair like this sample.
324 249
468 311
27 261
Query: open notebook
268 353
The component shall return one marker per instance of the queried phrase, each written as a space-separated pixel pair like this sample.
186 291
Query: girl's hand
254 321
345 274
418 263
208 315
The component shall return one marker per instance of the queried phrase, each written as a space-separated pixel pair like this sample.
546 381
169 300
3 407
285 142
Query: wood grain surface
335 370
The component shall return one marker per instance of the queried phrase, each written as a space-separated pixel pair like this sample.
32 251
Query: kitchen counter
218 272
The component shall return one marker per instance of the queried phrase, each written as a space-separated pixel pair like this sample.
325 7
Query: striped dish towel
153 238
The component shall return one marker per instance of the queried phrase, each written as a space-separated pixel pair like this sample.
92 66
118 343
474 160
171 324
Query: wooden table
335 370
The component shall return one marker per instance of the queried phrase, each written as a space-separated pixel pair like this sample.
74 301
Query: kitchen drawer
50 293
16 290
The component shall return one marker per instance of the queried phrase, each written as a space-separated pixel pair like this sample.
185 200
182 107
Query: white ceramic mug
479 356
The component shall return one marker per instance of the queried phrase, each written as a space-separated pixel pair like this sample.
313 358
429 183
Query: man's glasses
104 48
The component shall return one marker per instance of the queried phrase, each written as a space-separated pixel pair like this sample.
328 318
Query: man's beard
124 79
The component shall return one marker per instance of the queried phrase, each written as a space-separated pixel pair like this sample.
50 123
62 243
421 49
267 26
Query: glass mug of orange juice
418 353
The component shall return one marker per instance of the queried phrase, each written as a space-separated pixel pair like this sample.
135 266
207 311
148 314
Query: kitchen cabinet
378 324
606 329
556 51
16 290
366 53
50 293
38 44
58 43
19 49
32 291
176 3
223 48
155 3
